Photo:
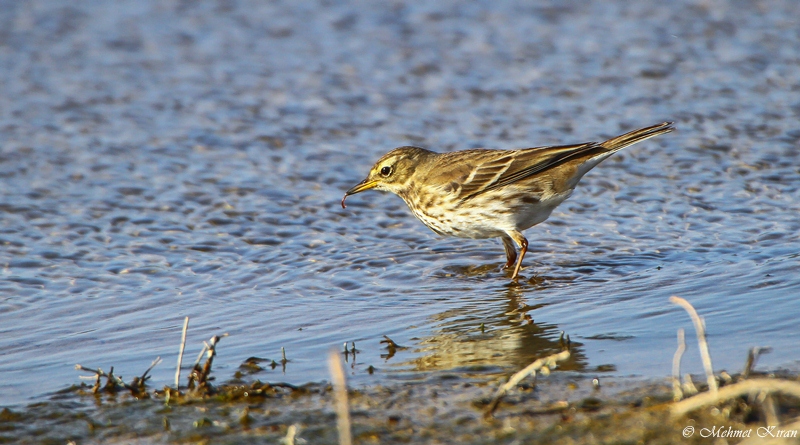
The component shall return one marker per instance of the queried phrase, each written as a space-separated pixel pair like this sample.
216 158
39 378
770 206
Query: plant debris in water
563 408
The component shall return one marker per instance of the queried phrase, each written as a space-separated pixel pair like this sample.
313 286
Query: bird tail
627 139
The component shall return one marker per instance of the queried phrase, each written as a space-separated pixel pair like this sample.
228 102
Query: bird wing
500 168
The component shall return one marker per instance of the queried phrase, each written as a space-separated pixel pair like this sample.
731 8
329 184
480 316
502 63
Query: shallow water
168 159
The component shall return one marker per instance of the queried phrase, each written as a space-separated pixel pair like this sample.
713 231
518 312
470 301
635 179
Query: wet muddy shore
448 408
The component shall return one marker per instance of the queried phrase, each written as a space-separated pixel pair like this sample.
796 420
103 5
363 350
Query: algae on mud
560 409
454 407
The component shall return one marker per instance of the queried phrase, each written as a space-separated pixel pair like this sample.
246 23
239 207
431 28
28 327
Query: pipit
491 193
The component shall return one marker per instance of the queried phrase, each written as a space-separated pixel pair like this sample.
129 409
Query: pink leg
523 248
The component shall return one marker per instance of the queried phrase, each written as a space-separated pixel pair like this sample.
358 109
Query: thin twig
752 357
155 363
340 395
198 378
677 393
97 371
549 361
112 382
291 435
767 386
212 352
137 384
180 354
768 408
689 389
699 328
200 355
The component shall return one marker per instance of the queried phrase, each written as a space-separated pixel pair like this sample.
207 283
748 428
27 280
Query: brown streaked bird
491 193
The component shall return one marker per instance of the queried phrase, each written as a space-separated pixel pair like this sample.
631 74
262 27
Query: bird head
392 172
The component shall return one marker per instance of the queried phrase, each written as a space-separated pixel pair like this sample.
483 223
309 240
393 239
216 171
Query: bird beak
360 187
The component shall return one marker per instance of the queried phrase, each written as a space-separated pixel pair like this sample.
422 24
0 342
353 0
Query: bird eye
386 171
